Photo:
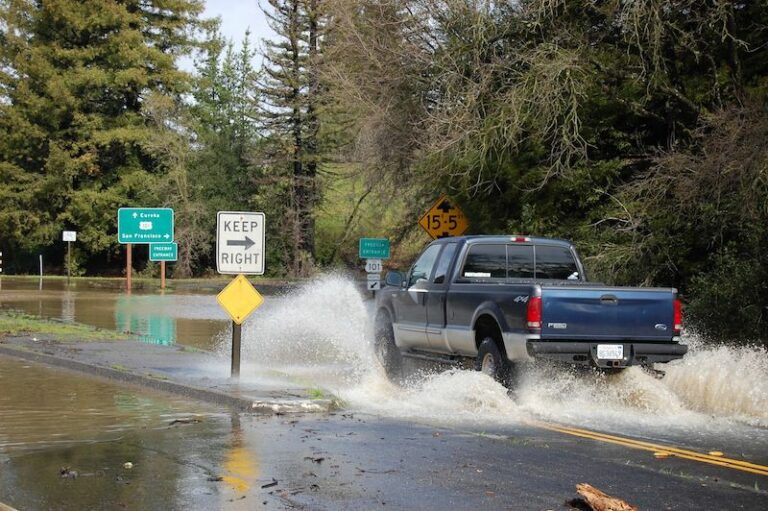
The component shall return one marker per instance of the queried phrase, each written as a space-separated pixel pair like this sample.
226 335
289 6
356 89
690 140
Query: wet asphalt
348 460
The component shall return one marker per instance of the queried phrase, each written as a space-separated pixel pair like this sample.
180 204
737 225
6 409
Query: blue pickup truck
501 300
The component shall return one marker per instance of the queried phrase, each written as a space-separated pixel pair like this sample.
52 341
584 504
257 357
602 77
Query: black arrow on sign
445 206
247 243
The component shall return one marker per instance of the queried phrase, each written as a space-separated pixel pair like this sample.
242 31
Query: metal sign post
128 256
69 237
237 329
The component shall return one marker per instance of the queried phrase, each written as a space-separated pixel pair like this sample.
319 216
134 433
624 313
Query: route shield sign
163 251
444 219
144 225
373 265
374 248
240 239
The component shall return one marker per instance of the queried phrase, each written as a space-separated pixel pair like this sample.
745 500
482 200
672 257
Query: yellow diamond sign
444 219
239 299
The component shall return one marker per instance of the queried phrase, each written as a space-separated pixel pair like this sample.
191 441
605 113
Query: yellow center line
721 461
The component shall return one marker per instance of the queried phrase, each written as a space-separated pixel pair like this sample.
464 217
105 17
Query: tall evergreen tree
73 131
223 122
289 114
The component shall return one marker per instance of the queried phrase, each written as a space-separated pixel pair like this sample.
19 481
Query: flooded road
186 317
320 335
68 441
40 408
715 399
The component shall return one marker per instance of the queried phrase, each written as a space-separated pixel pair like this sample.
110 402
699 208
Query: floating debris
68 473
184 421
270 485
598 501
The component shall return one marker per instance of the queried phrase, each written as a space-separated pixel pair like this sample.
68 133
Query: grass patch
315 393
17 323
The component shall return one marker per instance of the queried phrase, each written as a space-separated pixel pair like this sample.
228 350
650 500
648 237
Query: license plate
610 351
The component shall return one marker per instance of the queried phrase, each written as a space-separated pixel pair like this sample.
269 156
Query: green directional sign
144 225
374 248
163 251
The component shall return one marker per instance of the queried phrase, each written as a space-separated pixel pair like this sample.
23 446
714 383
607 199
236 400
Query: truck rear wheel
387 352
491 361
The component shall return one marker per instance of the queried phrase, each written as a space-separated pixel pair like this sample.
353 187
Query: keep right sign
444 219
240 242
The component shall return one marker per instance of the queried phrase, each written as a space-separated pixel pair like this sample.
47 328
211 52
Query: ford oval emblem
662 327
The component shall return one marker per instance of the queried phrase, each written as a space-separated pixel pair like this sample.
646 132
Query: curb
243 404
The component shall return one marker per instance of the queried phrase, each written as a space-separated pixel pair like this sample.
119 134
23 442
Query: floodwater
320 335
185 317
68 441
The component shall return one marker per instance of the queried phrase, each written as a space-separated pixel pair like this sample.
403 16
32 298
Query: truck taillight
677 317
520 239
533 317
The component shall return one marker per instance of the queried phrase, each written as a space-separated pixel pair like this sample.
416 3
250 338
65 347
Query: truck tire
387 352
491 361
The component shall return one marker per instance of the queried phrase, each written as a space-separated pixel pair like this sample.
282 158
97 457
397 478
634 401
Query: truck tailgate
583 313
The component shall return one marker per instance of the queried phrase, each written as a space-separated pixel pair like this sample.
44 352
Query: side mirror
394 279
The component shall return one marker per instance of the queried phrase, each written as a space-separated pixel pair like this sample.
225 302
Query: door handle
609 300
418 295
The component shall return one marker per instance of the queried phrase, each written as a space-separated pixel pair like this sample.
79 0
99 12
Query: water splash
322 329
454 396
723 381
321 335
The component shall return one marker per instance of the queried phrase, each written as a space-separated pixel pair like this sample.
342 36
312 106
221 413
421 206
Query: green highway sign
163 251
374 248
144 225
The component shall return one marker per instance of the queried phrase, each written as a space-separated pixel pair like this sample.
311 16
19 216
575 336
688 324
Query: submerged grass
17 323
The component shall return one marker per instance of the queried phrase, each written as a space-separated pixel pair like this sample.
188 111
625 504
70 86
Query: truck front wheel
491 361
385 348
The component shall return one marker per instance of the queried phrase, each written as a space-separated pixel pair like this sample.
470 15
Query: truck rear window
553 262
486 262
520 261
499 262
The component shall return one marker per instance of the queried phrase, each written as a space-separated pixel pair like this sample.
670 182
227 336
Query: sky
237 16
